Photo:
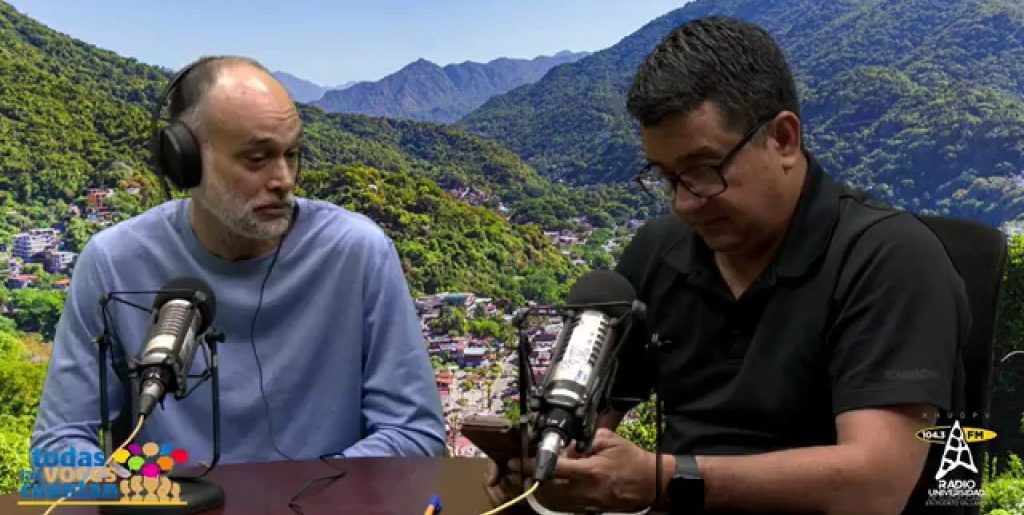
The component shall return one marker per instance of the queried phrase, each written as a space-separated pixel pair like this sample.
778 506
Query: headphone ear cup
178 156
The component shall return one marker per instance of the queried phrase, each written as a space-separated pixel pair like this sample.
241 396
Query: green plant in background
15 433
1004 495
638 426
21 383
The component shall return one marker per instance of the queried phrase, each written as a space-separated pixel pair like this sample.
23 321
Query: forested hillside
919 102
75 117
458 161
447 245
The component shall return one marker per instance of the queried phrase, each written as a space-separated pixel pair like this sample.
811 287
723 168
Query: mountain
303 90
73 117
918 102
425 91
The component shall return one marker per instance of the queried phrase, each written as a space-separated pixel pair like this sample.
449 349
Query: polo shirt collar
806 240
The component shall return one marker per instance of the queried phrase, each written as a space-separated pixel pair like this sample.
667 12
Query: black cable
302 491
657 425
252 342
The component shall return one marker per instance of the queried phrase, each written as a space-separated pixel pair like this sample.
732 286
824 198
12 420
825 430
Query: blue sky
332 42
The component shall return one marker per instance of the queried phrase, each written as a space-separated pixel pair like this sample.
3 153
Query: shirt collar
806 240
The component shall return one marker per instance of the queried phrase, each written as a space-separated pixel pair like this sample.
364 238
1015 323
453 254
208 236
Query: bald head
223 78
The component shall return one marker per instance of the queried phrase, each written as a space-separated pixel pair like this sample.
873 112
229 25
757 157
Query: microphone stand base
200 495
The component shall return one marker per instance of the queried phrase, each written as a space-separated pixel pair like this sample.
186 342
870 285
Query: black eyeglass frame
676 179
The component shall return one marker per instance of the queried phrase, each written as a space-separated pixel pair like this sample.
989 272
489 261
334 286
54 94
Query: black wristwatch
686 488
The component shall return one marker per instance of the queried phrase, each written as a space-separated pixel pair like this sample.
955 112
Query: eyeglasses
703 181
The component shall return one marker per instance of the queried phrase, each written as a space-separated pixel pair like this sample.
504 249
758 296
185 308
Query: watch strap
686 488
686 466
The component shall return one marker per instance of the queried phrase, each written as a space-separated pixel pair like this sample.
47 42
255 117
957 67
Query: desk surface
400 486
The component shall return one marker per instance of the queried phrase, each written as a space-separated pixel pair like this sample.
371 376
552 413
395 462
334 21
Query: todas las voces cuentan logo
957 481
141 477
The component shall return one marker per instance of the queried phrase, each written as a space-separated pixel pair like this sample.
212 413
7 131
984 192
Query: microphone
182 311
570 399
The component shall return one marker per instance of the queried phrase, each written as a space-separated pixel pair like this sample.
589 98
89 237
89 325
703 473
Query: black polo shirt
861 307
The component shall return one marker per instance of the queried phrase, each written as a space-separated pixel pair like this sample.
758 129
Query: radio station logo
140 479
957 480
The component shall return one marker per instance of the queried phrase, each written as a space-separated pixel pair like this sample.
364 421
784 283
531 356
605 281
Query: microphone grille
184 288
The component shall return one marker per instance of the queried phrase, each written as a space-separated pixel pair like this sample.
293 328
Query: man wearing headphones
323 351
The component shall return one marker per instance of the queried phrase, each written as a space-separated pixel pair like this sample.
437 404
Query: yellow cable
509 504
138 426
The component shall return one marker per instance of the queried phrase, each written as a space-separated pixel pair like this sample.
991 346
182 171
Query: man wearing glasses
797 335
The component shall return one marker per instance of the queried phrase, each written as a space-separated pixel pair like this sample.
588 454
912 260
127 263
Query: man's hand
613 475
504 482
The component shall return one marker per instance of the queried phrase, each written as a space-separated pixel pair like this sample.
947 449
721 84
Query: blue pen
434 508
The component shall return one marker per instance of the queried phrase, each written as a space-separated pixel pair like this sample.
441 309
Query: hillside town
45 245
477 376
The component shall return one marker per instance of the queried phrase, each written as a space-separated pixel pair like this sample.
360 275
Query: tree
15 434
511 410
484 327
37 310
78 233
452 321
436 362
541 286
21 385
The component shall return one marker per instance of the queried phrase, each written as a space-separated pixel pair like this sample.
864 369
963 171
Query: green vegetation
919 102
446 245
639 424
21 382
1005 494
457 161
71 114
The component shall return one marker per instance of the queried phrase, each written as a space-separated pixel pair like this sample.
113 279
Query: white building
35 241
59 261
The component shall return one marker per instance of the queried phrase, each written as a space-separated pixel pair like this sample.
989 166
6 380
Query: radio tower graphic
953 454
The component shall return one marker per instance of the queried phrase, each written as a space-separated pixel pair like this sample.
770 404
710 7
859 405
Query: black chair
978 252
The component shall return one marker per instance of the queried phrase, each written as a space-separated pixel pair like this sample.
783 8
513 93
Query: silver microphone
569 403
182 312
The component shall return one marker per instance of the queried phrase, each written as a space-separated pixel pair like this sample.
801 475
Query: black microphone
570 400
182 311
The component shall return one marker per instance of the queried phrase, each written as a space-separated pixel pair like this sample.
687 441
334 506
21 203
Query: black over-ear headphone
176 155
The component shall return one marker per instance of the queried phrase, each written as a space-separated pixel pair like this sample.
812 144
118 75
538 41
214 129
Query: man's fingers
604 439
569 468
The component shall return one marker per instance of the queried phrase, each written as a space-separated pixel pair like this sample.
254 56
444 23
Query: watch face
686 495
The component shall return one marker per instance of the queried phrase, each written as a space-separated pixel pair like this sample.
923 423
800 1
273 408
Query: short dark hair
733 63
186 99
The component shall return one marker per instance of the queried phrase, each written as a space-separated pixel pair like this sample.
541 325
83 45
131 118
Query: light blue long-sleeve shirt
345 368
